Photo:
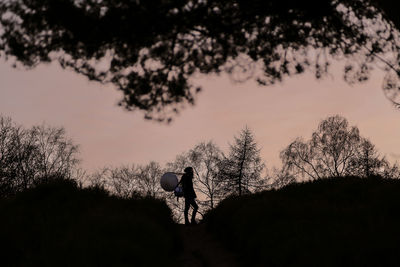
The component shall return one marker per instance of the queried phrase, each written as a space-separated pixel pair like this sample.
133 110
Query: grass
332 222
59 224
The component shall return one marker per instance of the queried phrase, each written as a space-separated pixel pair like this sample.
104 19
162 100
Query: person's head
188 170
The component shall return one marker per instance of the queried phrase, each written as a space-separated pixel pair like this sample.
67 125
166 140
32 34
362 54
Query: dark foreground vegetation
329 222
332 222
59 224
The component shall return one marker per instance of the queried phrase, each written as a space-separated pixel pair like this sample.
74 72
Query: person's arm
180 182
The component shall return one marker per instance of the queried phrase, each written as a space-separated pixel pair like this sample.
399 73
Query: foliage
150 50
59 224
240 170
331 222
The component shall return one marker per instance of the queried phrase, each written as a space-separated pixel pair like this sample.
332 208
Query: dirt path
200 248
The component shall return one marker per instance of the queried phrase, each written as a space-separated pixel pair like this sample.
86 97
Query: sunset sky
110 136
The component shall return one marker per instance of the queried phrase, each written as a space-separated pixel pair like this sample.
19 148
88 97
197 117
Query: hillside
333 222
59 224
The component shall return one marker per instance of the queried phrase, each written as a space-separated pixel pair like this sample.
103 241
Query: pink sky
108 135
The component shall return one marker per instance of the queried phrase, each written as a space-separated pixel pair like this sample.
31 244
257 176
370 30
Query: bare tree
241 169
123 181
149 180
180 162
390 171
367 162
327 154
98 179
278 178
56 154
27 156
205 158
129 180
335 150
8 133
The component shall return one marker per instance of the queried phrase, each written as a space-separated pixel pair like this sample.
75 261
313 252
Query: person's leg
186 211
195 208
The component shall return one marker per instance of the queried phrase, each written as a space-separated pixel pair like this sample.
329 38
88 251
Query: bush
333 222
58 224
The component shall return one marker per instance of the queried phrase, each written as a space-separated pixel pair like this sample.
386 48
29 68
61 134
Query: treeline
335 149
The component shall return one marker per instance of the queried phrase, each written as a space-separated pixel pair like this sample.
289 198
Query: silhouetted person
189 194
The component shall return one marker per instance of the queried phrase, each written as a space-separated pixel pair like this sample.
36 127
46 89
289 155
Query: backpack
178 191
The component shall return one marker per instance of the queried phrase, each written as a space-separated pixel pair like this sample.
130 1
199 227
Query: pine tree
241 169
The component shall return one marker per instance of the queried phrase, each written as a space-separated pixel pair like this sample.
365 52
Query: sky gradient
110 136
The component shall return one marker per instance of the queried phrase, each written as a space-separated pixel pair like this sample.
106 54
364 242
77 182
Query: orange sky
278 114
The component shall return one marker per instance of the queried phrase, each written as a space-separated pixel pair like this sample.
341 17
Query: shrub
335 222
58 224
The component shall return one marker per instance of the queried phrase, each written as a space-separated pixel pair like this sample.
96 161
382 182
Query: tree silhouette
149 180
130 180
334 150
367 162
389 10
206 158
151 49
29 156
9 146
123 181
240 171
55 153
